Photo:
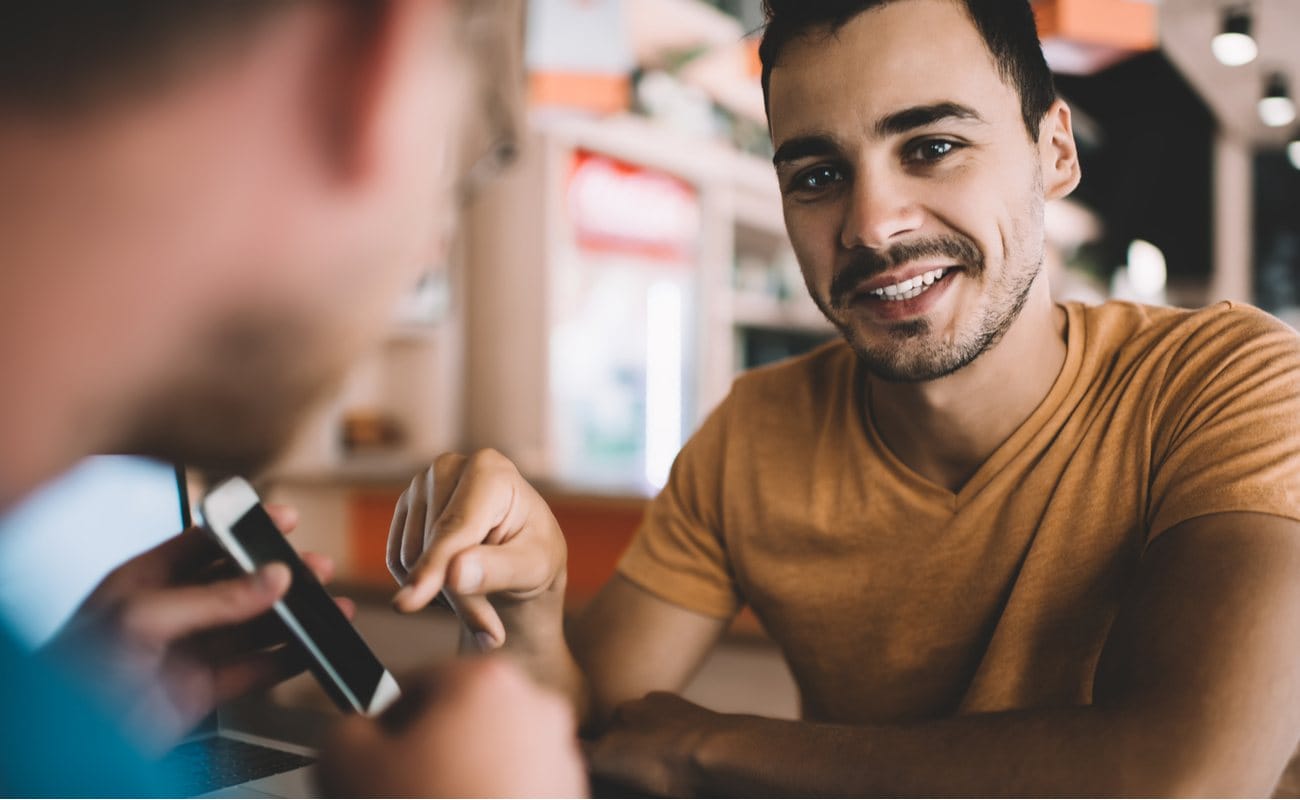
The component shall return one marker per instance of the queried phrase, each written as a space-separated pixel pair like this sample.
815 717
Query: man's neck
944 430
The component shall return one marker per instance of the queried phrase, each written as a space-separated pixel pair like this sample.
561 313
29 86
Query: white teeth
913 287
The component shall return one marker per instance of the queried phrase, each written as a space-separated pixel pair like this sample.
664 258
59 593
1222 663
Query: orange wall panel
370 513
1122 24
597 531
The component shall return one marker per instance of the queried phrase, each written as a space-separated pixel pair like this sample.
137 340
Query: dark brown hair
58 55
1007 27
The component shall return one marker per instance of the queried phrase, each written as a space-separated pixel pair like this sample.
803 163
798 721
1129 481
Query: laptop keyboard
216 762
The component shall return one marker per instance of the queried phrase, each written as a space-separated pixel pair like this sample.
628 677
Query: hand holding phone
338 656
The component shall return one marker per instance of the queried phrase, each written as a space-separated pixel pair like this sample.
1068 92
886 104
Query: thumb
171 614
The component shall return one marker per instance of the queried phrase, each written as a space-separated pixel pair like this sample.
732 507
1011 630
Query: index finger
393 556
175 560
480 504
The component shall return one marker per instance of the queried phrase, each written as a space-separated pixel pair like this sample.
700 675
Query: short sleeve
679 553
1228 433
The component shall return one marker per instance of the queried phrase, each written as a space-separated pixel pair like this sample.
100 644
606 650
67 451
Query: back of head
61 56
1007 27
211 206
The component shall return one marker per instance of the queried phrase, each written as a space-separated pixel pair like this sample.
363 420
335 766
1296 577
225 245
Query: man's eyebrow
908 119
804 147
894 124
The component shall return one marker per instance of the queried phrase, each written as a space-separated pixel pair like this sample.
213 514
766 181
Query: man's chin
909 355
214 450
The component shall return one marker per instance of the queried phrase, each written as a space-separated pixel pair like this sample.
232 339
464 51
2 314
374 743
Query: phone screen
339 648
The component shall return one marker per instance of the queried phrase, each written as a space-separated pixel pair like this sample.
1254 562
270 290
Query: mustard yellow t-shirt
894 599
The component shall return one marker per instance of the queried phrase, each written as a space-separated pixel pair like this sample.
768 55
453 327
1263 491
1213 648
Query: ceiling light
1277 108
1293 151
1235 46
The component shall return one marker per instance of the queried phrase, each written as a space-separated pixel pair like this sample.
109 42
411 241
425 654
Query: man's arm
1197 692
473 529
630 643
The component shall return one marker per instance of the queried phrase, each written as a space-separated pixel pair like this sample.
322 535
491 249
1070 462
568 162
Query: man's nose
881 209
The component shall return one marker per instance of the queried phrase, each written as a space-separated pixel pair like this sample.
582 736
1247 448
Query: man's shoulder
1148 330
830 367
44 712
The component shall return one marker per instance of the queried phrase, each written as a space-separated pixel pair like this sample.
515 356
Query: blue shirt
55 740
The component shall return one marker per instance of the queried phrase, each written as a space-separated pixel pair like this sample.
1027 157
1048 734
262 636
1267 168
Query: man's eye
931 150
816 179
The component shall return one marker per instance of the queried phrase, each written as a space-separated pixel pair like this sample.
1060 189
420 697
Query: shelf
757 201
760 238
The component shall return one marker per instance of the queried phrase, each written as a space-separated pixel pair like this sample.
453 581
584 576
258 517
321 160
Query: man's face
311 282
913 195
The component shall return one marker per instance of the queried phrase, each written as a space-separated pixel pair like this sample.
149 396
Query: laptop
109 509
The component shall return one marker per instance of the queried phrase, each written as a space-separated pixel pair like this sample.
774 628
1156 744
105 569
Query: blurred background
610 285
606 289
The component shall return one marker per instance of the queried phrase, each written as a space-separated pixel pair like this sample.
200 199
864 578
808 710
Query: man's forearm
1195 692
1082 751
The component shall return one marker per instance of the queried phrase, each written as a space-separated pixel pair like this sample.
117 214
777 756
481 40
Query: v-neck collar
1019 441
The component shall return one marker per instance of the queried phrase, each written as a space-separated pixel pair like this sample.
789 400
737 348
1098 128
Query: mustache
867 263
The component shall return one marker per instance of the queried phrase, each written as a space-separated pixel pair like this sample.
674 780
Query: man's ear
1058 152
378 49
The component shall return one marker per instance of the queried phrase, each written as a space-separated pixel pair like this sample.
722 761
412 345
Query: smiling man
1006 546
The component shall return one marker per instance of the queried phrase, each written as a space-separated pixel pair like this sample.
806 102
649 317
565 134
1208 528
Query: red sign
619 207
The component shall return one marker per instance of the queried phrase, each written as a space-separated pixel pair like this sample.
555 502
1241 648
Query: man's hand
171 634
652 746
478 728
473 529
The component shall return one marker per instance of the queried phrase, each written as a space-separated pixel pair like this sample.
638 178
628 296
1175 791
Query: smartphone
340 659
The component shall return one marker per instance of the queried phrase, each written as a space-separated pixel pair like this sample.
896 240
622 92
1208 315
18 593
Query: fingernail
470 577
485 641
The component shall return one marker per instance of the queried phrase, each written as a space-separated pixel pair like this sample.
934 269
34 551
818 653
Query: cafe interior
631 259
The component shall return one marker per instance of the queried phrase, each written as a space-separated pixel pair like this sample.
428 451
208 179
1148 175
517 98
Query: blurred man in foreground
1007 547
209 208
